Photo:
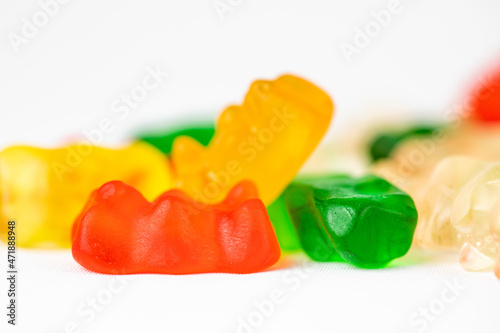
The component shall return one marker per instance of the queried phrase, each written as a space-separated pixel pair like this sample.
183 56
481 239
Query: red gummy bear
120 232
486 100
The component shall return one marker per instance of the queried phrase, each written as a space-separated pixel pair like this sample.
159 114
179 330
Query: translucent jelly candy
456 210
283 226
120 232
266 140
45 189
382 145
495 230
277 211
367 222
414 160
164 139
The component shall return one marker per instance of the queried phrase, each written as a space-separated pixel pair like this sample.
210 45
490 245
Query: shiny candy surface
458 208
367 221
266 140
120 232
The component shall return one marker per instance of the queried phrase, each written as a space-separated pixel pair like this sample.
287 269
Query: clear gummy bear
459 207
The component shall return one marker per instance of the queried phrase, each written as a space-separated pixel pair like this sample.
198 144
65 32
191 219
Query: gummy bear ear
295 88
244 190
187 154
228 118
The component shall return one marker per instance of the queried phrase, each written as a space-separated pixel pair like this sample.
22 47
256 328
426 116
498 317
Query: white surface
66 78
330 297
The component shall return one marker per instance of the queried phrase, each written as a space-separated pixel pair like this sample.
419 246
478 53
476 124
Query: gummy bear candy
415 159
382 145
283 226
266 140
164 139
45 189
495 230
456 210
486 99
120 232
367 221
277 211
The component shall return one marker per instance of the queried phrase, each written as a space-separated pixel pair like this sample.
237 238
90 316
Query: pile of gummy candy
228 198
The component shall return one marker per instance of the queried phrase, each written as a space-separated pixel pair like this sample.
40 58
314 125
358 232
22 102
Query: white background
65 79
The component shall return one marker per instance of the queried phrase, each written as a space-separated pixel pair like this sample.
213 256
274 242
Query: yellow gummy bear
266 140
43 190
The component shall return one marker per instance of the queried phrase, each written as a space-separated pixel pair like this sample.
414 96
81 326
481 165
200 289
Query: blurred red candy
120 232
486 99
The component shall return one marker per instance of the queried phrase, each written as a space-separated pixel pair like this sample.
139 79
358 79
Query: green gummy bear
384 144
163 140
283 227
367 221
